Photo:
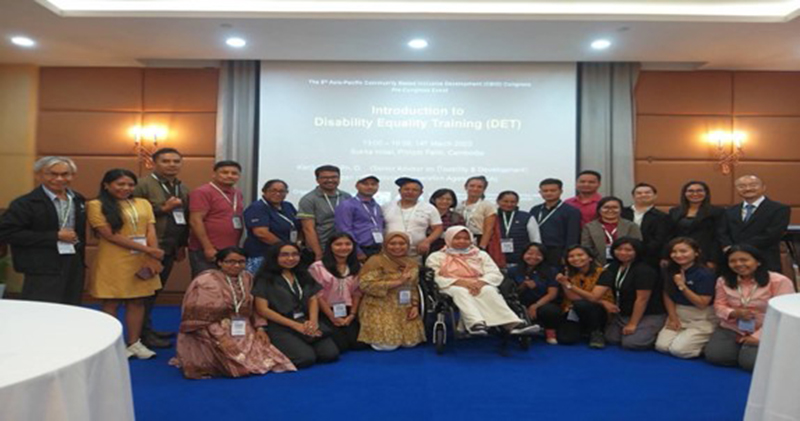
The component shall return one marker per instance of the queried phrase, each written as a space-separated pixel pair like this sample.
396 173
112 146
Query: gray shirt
65 209
320 207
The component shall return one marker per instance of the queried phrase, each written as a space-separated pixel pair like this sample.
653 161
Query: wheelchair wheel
525 342
439 337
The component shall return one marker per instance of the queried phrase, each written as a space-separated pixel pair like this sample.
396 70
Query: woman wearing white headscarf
471 277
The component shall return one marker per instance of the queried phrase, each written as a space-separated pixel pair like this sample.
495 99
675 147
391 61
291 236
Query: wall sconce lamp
145 143
728 148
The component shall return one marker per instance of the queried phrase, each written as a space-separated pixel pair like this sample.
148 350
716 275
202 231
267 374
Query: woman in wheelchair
471 278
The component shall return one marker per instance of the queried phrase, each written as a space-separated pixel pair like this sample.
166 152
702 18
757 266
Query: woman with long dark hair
698 219
337 273
688 291
287 296
538 289
125 270
742 294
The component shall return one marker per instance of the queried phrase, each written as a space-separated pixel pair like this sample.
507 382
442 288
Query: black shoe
151 340
597 340
163 334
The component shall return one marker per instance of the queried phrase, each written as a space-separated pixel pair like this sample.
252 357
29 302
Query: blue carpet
470 381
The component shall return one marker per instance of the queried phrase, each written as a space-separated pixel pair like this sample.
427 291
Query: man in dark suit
757 221
46 230
653 223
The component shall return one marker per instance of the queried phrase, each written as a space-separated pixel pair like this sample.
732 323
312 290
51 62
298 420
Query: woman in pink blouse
740 302
337 273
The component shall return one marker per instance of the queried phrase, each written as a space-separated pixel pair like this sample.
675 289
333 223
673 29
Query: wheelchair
440 308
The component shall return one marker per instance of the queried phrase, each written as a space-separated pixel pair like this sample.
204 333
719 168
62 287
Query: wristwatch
569 286
681 288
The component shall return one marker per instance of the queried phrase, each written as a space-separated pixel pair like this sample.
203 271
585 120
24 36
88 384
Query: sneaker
597 340
140 351
550 336
478 329
525 329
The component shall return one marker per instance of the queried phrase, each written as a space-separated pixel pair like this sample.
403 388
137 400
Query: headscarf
403 261
461 263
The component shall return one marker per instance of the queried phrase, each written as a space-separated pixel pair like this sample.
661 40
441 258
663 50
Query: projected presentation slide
441 123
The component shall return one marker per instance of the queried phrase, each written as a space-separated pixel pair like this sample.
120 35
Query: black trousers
346 337
149 302
549 316
65 287
592 317
300 349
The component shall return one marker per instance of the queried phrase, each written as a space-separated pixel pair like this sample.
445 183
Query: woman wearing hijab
471 277
389 310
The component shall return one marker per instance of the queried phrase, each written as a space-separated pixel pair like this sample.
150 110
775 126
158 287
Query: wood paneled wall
86 114
675 111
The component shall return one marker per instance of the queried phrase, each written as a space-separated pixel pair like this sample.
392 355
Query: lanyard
746 302
469 211
610 235
541 221
284 217
407 220
227 199
333 208
620 280
508 222
294 287
63 214
166 190
133 215
372 215
237 303
341 282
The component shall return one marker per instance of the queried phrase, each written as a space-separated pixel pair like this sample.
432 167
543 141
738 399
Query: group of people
341 272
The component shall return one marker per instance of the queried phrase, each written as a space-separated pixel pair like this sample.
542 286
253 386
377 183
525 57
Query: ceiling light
601 44
23 41
418 44
236 42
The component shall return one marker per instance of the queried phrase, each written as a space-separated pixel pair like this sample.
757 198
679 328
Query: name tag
298 315
609 256
179 216
140 240
404 297
377 236
572 316
748 326
340 310
238 326
293 236
507 245
237 222
66 248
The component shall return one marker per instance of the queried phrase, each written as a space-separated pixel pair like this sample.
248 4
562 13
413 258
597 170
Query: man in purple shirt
586 200
362 218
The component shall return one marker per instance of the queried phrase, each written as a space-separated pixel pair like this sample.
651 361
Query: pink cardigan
726 300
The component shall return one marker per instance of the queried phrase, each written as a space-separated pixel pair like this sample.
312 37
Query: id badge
340 310
238 326
377 236
66 248
298 315
179 216
572 316
140 240
404 297
748 326
237 222
609 256
293 236
507 245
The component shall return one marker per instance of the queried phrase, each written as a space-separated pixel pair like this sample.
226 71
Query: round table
776 378
61 362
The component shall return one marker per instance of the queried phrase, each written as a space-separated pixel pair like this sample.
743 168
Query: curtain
237 117
607 124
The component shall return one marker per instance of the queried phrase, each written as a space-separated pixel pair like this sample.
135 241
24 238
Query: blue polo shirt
280 222
700 280
544 279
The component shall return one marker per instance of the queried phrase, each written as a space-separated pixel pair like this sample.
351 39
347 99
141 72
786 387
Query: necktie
748 211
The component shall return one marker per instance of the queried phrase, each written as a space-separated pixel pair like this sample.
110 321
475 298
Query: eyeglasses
289 254
235 262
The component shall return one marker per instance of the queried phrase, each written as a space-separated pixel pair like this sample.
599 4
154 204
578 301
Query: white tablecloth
775 388
62 363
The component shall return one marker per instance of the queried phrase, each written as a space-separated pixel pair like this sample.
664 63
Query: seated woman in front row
538 289
220 333
286 295
389 310
471 277
639 312
742 294
688 290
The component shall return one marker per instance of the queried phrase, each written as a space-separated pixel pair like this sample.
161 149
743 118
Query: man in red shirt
586 200
215 216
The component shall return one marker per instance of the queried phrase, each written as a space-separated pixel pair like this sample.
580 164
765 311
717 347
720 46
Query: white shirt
413 221
475 214
755 204
638 216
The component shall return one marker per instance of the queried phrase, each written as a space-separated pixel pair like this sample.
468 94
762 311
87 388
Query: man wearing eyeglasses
318 208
